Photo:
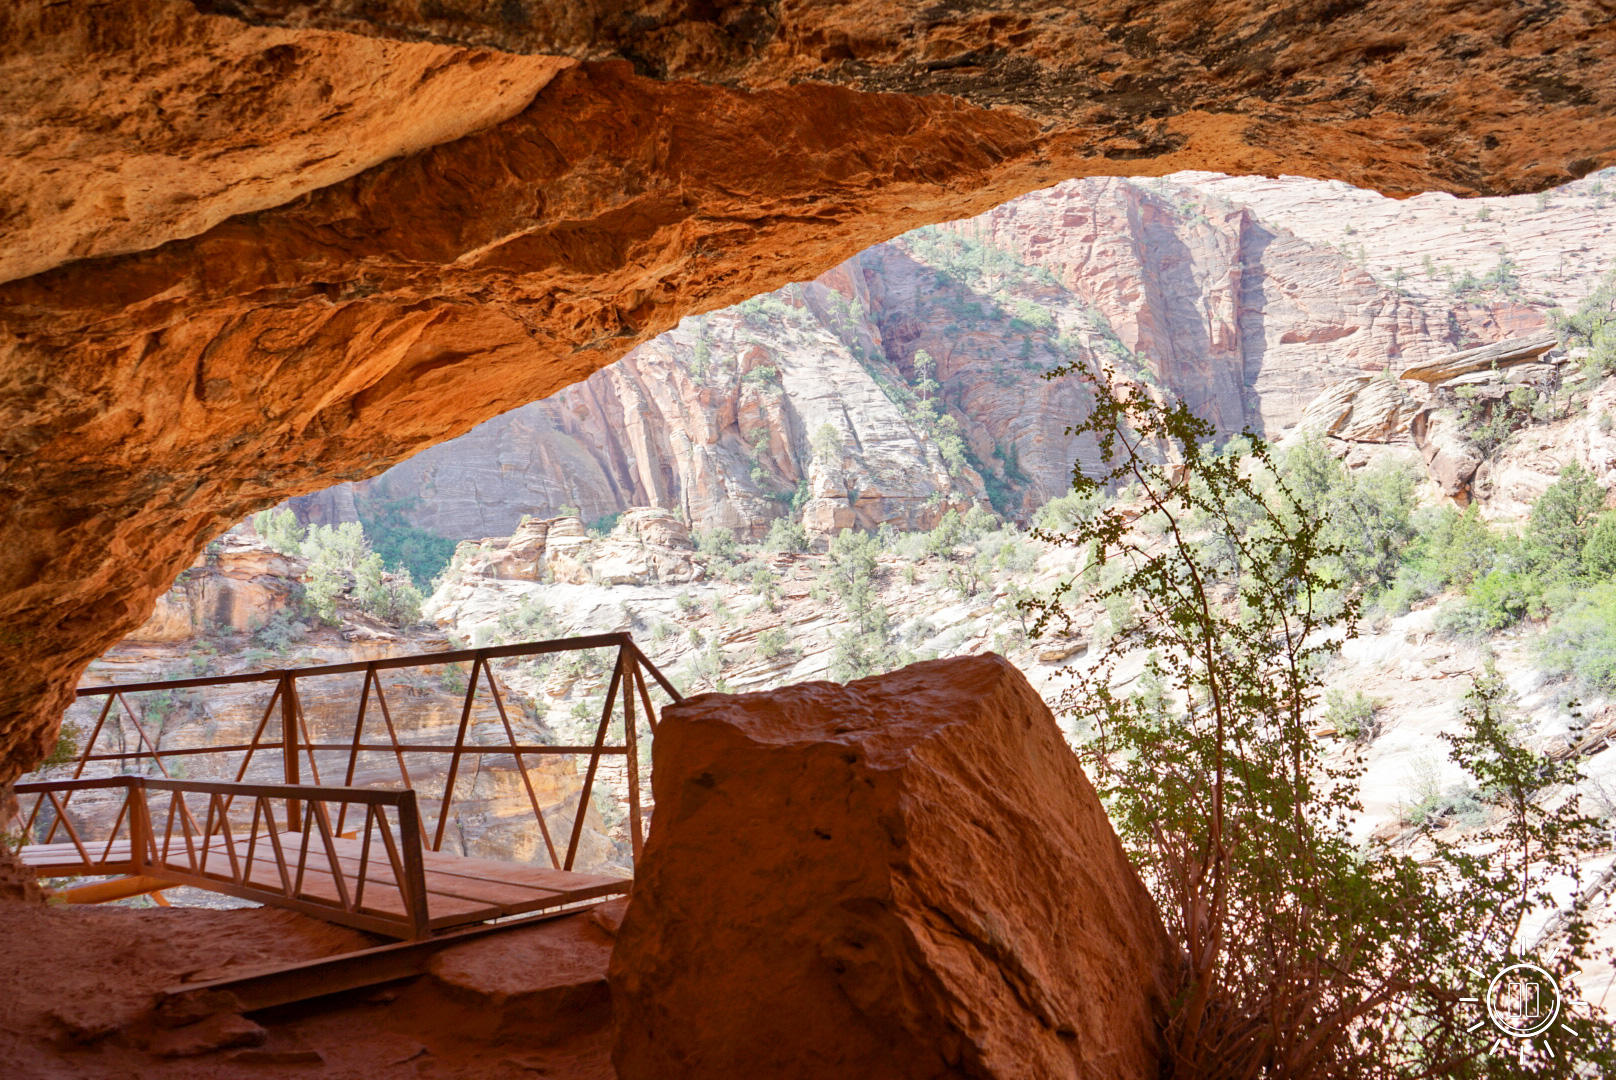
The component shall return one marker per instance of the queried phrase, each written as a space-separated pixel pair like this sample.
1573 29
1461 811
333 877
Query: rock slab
906 876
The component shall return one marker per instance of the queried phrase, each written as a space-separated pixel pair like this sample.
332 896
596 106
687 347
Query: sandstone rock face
239 586
173 122
155 397
907 876
1498 354
647 544
1450 457
1324 76
1191 278
1362 409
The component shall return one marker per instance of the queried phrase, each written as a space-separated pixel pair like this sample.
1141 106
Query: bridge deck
459 890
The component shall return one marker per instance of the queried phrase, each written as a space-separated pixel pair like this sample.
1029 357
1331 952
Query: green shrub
1352 717
1064 512
826 445
773 642
66 748
1450 549
404 546
1496 602
762 377
342 564
603 525
1034 315
1562 519
280 530
1593 326
1599 552
719 545
1307 953
1580 644
1489 421
280 632
1368 513
392 598
532 621
786 534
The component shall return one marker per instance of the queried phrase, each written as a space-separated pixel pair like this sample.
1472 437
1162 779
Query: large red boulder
907 876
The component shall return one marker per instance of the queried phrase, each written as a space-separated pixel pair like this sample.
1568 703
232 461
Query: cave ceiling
257 247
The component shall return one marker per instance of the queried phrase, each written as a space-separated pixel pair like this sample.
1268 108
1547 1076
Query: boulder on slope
1360 409
907 876
1450 457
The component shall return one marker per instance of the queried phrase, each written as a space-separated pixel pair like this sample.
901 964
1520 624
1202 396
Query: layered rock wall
1175 281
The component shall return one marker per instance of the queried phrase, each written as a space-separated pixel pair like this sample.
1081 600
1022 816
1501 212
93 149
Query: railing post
139 826
289 742
594 761
636 839
413 887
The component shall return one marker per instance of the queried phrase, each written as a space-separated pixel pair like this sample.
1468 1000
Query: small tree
280 529
786 534
1305 953
1562 519
342 564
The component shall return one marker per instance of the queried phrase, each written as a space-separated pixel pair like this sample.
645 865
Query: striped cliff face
1248 297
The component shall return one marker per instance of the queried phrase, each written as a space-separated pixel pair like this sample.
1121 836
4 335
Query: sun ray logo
1522 1004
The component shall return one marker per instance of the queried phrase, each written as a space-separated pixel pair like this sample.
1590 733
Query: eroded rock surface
905 876
529 1002
127 124
155 397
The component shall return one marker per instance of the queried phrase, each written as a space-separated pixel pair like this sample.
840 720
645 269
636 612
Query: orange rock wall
334 326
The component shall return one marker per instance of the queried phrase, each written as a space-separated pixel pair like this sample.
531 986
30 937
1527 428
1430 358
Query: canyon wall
1245 296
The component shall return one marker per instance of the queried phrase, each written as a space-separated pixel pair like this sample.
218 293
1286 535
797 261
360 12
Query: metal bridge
363 856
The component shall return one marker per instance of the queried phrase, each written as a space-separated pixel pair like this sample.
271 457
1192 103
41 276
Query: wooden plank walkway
460 890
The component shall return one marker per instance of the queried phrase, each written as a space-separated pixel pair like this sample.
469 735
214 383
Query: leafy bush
1562 519
342 564
1368 513
1581 643
603 525
66 748
1488 421
1599 550
857 653
1034 315
1064 512
392 598
280 529
531 621
1352 717
773 642
1450 549
786 534
719 545
762 377
280 632
1306 953
403 546
1593 326
1496 602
